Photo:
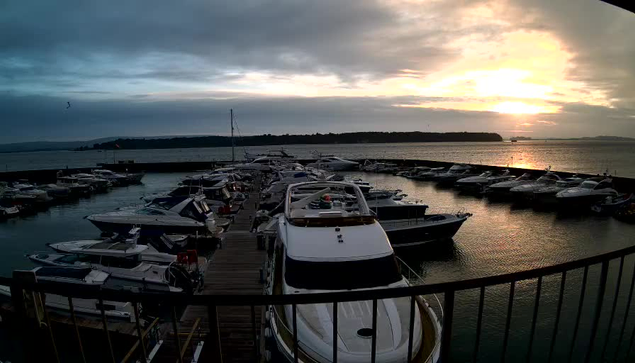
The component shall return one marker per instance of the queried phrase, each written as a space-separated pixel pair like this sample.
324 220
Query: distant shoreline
272 140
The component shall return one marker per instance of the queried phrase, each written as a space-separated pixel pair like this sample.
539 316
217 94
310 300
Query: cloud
299 65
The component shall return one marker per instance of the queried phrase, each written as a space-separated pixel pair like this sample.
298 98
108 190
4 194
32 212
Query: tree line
268 139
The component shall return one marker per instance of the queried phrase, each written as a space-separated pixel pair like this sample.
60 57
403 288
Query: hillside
345 138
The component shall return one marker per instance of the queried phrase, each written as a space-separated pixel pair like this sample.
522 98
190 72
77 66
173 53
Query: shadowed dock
234 269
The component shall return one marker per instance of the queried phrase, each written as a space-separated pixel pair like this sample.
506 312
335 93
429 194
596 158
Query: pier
234 269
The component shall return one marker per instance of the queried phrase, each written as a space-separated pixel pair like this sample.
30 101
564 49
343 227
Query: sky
536 68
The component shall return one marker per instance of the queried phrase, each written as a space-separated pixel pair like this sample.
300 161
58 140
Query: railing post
411 327
598 310
74 319
510 306
335 336
373 347
214 335
295 333
105 324
446 335
479 323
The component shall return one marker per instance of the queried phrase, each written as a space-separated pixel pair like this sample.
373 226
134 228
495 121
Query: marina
238 260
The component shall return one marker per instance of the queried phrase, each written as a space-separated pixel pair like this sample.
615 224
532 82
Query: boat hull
149 230
423 233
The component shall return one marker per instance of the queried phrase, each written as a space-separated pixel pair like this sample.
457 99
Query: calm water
575 156
499 238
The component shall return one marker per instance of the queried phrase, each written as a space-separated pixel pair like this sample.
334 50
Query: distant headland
268 139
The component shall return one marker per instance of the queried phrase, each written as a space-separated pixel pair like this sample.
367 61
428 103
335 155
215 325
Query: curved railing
448 289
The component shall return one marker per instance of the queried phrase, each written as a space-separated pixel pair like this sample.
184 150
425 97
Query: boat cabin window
120 262
604 185
72 259
341 275
193 211
150 212
588 185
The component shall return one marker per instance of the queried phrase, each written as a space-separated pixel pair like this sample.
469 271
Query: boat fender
267 355
268 315
268 333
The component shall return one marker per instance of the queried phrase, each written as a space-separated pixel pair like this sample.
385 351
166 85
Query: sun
518 108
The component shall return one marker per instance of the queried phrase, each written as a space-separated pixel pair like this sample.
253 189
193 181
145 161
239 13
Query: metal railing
592 348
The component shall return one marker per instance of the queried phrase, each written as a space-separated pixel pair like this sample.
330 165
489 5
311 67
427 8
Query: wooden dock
234 269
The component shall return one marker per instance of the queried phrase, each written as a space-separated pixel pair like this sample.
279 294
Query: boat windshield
342 275
588 185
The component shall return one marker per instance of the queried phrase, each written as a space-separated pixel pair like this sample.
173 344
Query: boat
381 197
526 191
547 195
502 189
334 163
126 260
97 185
587 194
414 171
611 204
40 196
166 215
56 191
428 175
380 167
337 249
120 179
477 183
408 225
8 212
76 188
85 278
456 172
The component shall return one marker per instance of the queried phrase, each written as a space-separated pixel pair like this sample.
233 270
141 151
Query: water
574 156
499 238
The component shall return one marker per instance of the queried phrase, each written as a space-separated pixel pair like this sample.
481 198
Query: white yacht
526 191
547 195
456 172
334 163
86 278
333 248
8 212
76 188
380 167
589 192
503 188
168 215
480 181
98 185
40 196
430 174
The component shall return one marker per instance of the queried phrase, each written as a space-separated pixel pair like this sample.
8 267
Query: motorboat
414 171
124 260
381 197
456 172
380 167
612 204
334 163
56 191
97 185
273 154
588 193
526 191
120 179
428 175
8 212
40 196
86 278
503 188
547 195
408 225
76 188
332 249
477 183
164 215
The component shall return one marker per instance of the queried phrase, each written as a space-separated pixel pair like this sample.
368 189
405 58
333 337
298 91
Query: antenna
231 117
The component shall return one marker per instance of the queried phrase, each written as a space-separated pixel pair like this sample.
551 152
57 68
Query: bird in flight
69 105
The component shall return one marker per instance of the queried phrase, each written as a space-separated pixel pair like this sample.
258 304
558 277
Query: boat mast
231 116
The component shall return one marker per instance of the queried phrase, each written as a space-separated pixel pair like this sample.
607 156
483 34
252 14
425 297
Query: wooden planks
234 269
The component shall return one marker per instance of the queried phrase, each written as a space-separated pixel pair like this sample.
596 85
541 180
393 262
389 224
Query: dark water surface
499 238
589 157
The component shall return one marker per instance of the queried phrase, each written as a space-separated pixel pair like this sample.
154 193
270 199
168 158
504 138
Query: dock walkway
234 269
